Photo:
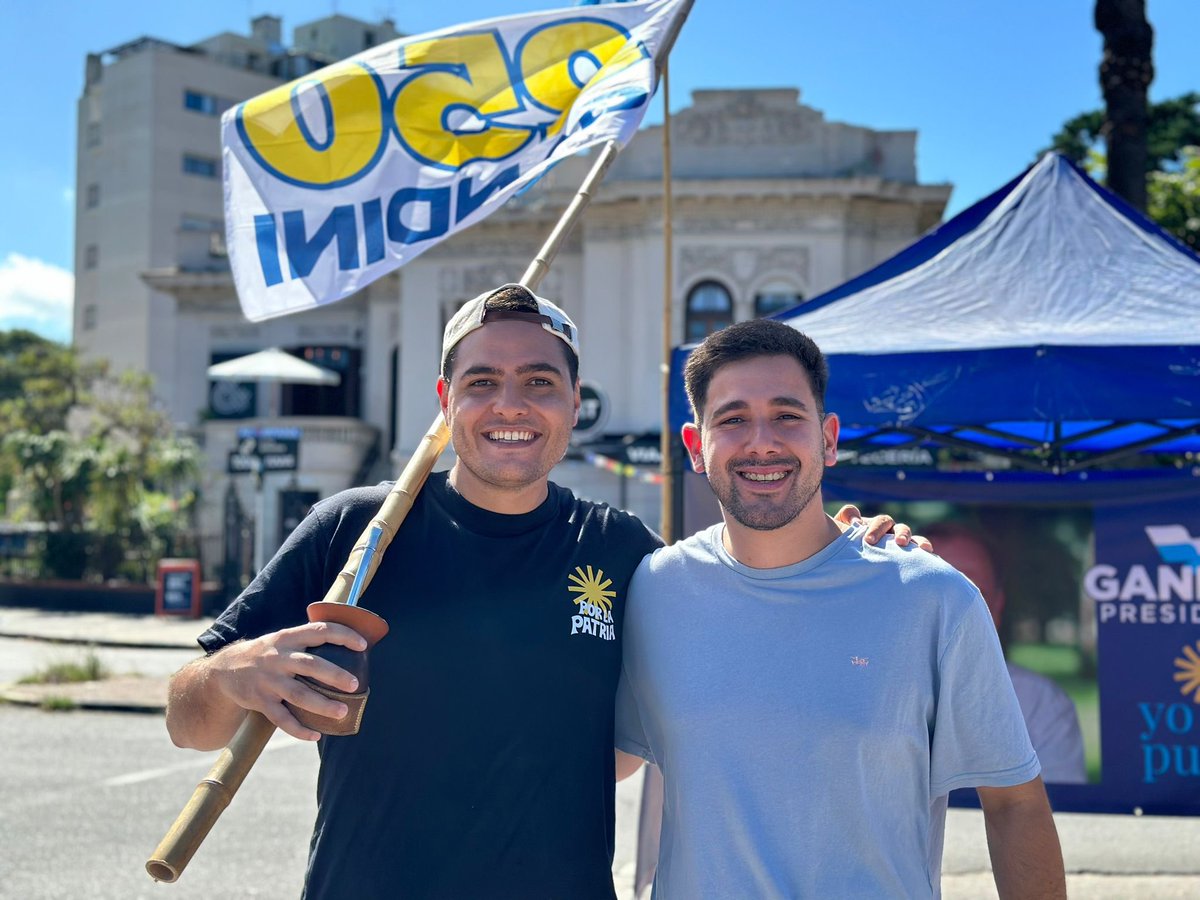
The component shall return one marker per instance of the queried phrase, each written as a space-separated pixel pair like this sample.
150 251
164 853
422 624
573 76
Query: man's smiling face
763 442
510 405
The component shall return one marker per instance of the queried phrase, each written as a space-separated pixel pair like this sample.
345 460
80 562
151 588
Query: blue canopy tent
1046 338
1040 349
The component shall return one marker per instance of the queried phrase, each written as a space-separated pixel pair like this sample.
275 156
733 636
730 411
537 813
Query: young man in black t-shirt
484 766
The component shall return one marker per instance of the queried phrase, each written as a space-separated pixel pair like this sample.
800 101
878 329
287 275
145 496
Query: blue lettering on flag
304 252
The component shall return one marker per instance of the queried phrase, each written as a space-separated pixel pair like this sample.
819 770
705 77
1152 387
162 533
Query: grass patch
57 704
90 668
1052 660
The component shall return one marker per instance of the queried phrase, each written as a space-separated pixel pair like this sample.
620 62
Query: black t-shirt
484 765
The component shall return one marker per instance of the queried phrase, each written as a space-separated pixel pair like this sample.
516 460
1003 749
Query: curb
132 694
101 641
13 698
102 629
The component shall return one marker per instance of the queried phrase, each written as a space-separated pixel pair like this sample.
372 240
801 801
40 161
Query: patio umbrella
274 367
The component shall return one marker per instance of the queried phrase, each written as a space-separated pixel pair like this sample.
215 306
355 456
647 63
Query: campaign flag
341 176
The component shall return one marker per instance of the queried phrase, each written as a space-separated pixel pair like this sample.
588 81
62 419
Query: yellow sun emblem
591 588
1189 672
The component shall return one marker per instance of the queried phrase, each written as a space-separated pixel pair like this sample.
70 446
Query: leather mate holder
348 724
372 628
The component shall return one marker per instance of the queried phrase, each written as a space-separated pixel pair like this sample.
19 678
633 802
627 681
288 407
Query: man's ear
443 392
830 429
693 445
578 403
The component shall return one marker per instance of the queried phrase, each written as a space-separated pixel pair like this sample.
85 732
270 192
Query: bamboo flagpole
214 793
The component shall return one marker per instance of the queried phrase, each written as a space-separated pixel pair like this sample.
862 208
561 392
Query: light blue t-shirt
810 720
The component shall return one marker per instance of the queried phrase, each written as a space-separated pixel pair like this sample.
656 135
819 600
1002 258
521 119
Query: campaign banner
1145 584
339 177
1098 609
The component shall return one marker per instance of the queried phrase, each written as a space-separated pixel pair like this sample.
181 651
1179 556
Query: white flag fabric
341 176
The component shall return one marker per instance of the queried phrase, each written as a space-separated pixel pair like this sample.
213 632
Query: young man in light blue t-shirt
811 699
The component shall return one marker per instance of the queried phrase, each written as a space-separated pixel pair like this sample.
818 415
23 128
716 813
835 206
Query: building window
340 399
205 104
200 102
709 309
200 165
231 399
368 40
92 134
91 256
776 297
89 317
92 196
200 223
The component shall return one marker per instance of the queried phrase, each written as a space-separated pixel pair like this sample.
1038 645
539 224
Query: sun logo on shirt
591 588
1189 674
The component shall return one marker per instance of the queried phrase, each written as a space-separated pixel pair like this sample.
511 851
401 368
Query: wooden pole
666 526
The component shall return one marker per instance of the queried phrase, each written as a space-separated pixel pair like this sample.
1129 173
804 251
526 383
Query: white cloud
36 295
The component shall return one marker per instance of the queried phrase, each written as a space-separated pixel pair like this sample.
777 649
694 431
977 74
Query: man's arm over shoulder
1023 842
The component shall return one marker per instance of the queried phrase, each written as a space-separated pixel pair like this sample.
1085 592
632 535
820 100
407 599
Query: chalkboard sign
178 591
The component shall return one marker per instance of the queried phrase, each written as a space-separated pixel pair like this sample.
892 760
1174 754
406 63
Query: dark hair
513 298
749 340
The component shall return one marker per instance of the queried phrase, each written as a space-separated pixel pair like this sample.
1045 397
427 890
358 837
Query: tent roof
1049 259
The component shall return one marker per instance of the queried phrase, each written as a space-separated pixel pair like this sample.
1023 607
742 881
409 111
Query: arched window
776 296
709 309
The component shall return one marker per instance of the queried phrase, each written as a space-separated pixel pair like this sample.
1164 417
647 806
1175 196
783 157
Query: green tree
1173 125
40 381
92 457
1173 198
1173 181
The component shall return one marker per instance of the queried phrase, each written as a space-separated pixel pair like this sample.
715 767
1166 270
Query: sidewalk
122 693
102 629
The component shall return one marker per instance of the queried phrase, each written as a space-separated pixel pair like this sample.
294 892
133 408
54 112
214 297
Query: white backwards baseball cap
528 308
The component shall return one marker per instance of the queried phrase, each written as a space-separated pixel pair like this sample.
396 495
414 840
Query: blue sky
985 84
